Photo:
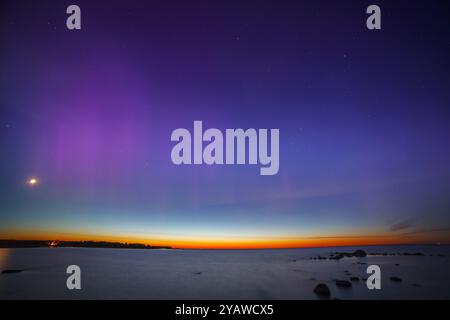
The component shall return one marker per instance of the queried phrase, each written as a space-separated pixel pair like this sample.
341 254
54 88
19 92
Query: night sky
364 119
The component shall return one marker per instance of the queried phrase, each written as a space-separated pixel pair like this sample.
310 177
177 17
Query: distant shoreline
75 244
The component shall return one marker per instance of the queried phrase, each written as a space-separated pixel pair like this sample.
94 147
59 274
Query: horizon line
169 247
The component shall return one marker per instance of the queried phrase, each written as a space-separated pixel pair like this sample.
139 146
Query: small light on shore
53 244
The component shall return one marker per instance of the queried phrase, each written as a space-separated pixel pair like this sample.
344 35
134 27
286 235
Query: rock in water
343 283
11 271
340 255
359 253
396 279
322 290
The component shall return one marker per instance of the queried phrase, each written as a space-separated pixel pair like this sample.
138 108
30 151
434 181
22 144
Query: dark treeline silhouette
80 244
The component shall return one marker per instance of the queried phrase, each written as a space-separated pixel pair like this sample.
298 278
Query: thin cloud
401 225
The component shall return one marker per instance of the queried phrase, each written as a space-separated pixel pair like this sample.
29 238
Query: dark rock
347 254
359 253
322 290
397 264
343 283
395 279
11 271
354 279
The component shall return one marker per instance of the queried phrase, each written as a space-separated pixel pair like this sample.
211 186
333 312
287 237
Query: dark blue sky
363 118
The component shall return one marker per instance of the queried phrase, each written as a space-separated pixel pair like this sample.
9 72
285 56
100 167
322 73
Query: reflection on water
4 254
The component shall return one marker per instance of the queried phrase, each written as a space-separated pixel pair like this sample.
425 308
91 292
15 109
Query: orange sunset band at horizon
238 243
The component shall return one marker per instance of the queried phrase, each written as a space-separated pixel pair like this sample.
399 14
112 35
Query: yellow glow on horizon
232 243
